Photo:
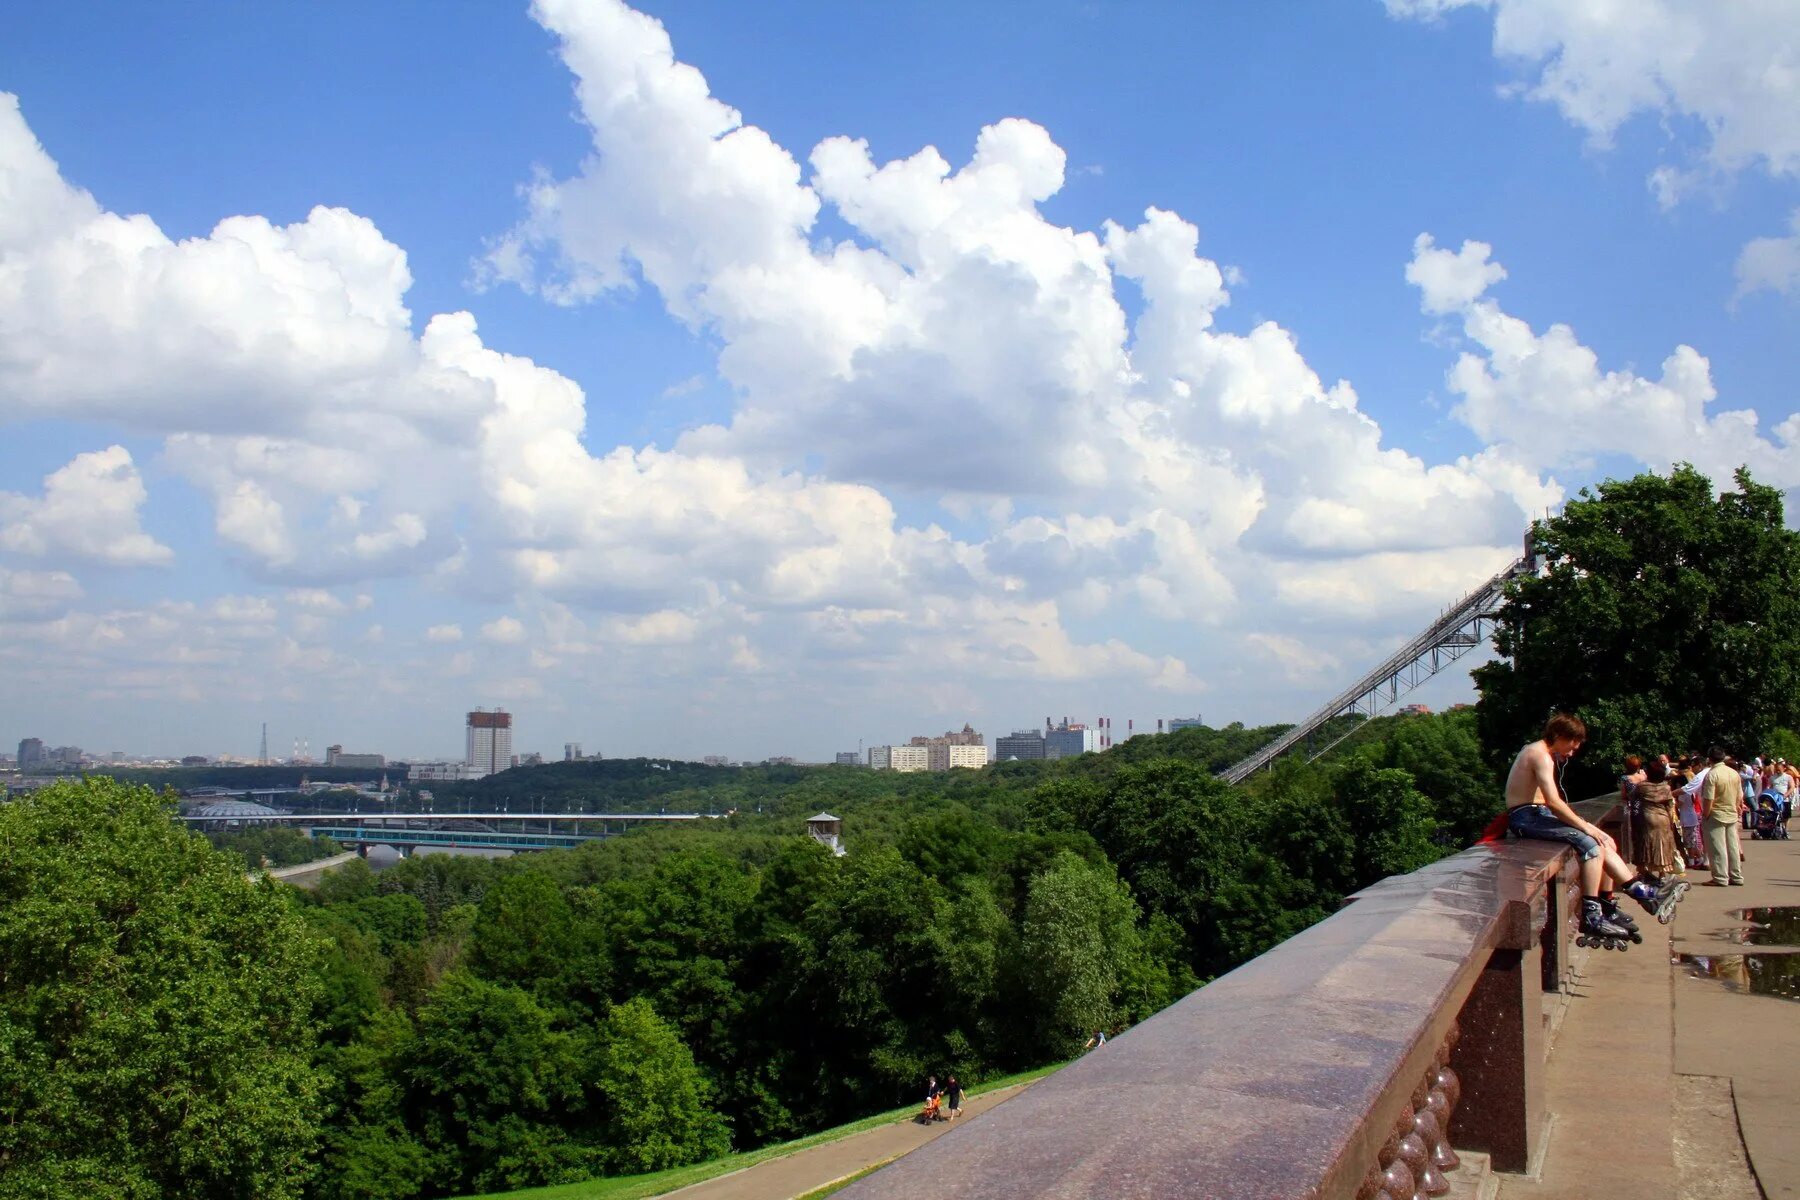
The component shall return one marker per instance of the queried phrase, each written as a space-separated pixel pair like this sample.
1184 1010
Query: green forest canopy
476 1024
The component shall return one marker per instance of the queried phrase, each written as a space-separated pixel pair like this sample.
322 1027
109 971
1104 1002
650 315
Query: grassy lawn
640 1187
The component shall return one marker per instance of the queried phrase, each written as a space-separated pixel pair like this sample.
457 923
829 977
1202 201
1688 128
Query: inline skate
1597 930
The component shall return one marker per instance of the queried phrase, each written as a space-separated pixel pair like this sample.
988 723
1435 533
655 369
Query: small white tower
828 831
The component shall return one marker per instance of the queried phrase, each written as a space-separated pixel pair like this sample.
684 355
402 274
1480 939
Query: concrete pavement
1664 1084
1753 1041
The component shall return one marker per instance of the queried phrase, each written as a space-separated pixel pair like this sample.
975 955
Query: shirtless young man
1535 808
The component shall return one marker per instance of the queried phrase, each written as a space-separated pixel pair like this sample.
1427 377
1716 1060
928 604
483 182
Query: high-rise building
31 754
1193 722
1069 739
571 751
909 758
967 756
938 748
1021 744
489 736
881 757
848 758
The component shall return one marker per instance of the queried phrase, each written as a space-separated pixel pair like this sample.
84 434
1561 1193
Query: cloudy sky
755 379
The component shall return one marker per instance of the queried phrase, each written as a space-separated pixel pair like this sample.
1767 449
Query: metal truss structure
1462 627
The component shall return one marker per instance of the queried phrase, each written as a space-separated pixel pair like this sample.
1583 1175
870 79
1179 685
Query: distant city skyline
751 381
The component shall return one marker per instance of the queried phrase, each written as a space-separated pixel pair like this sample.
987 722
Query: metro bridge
474 831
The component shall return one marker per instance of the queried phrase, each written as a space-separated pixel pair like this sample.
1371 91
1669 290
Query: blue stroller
1771 818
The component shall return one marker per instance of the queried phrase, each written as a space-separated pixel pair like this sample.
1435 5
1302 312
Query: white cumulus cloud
504 630
1732 68
89 511
1771 262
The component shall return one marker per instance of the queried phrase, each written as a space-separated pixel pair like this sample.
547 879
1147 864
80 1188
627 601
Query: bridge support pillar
1500 1060
362 849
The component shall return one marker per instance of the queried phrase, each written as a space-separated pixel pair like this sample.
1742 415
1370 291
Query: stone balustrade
1343 1063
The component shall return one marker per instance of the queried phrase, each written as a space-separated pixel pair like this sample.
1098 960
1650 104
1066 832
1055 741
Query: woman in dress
1656 804
1634 823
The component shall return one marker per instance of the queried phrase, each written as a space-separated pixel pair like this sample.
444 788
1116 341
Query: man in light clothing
1722 797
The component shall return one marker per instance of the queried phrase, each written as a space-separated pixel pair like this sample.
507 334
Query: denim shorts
1537 821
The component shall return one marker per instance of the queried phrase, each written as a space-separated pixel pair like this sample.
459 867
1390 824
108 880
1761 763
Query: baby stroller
1769 825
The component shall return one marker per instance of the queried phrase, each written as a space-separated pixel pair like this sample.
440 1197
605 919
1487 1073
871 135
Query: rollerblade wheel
1637 939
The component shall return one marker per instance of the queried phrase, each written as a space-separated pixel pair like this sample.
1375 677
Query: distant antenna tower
263 759
296 757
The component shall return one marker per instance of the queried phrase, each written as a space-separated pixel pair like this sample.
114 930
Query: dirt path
807 1170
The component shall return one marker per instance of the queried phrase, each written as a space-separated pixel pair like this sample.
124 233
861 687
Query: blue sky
785 531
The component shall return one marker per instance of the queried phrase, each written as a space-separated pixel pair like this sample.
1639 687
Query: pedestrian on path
1723 797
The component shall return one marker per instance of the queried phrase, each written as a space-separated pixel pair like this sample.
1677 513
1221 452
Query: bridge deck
359 835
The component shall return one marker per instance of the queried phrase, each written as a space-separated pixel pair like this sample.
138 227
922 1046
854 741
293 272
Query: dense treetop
1665 615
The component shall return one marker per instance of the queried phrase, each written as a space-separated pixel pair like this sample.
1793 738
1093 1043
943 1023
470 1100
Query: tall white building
909 758
489 739
968 756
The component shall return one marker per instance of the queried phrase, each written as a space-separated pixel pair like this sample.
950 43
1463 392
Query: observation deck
1457 991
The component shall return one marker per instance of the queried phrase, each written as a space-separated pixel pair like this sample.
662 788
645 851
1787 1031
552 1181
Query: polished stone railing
1344 1062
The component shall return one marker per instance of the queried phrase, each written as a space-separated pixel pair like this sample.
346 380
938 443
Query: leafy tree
655 1098
395 919
495 1090
1663 616
275 846
1390 821
154 1007
522 930
352 881
1442 753
1076 944
370 1153
1783 744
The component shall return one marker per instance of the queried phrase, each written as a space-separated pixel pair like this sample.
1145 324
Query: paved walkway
808 1170
1751 1041
1659 1082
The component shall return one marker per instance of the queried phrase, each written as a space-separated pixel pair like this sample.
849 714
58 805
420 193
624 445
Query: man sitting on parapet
1536 808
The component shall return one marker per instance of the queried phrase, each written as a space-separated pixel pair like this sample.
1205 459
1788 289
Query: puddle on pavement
1768 927
1758 974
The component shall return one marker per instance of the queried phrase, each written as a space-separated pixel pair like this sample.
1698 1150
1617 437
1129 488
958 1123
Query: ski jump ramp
1462 627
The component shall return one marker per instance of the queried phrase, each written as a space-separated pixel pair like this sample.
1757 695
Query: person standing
1655 805
953 1097
1722 795
1685 783
1748 778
